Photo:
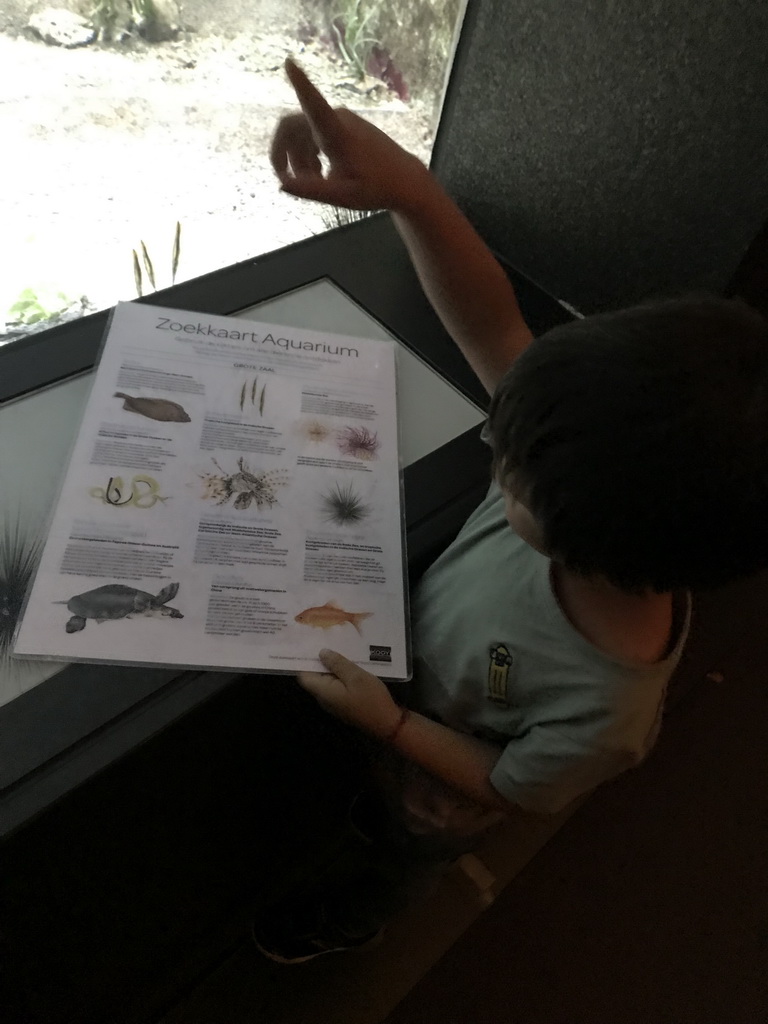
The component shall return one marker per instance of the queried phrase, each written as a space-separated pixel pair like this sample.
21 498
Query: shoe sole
287 961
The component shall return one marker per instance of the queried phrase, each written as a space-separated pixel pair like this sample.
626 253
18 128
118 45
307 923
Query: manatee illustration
115 601
162 409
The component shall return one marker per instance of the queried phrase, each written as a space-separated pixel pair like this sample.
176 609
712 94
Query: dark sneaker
293 932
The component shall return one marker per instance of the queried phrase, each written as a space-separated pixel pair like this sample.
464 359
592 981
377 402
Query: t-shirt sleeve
547 769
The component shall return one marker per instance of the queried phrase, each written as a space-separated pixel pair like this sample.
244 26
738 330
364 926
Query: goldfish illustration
162 409
325 616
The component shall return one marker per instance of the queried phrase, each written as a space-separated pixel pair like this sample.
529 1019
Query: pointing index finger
317 109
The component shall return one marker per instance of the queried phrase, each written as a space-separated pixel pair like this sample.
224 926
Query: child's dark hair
639 441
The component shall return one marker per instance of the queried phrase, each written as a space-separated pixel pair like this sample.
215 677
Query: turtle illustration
116 601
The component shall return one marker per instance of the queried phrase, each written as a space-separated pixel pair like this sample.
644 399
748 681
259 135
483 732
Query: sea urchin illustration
341 504
359 442
315 431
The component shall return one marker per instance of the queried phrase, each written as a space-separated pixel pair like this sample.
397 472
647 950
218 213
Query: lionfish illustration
246 487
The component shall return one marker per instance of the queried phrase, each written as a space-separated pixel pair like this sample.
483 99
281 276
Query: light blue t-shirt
495 656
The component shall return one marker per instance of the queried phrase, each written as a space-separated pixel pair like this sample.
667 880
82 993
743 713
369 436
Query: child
630 454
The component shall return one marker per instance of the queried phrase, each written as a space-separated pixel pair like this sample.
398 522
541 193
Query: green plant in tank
20 550
352 29
149 268
114 19
34 306
106 15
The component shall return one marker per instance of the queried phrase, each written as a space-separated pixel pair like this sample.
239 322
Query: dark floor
650 906
647 905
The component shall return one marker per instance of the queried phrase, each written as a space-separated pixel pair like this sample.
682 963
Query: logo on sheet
499 664
376 652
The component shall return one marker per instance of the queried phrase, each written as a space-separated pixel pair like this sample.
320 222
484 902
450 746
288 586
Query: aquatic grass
253 389
137 274
104 16
149 267
118 20
338 217
19 554
175 256
353 33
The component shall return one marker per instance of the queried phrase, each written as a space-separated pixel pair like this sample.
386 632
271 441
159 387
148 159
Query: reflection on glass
136 143
430 411
37 435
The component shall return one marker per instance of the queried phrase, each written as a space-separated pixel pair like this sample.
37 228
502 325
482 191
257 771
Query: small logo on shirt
376 652
499 664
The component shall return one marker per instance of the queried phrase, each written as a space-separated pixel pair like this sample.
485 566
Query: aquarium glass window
136 135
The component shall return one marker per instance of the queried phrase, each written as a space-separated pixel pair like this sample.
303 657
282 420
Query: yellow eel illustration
143 492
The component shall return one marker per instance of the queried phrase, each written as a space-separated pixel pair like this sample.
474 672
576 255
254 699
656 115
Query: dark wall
611 149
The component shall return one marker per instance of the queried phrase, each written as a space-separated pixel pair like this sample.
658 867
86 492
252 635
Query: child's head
639 441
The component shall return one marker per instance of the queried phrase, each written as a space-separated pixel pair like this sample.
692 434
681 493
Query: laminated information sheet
232 501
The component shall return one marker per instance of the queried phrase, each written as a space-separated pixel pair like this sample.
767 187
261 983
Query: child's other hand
352 694
368 170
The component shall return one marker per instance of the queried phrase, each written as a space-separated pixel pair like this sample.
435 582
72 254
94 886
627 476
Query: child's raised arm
369 171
